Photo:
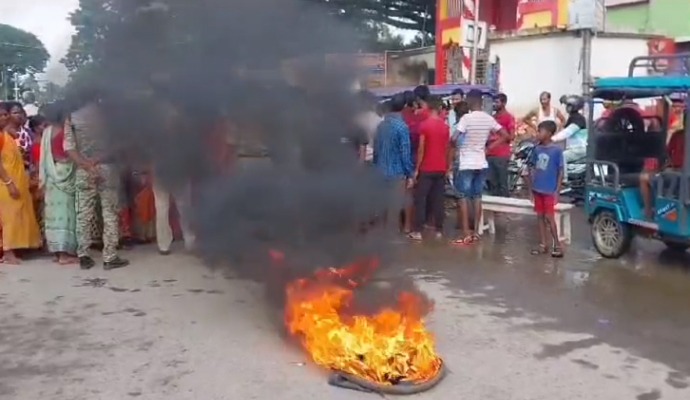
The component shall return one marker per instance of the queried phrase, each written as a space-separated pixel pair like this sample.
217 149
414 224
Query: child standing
546 177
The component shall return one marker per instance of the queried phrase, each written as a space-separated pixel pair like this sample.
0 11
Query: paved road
509 326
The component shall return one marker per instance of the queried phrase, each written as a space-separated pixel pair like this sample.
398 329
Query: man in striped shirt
470 138
392 152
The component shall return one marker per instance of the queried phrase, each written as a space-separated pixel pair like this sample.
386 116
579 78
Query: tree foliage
92 21
371 20
415 15
22 51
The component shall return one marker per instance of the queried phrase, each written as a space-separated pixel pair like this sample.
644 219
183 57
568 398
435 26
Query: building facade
670 18
453 63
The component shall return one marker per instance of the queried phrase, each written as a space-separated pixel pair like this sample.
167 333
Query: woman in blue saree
56 178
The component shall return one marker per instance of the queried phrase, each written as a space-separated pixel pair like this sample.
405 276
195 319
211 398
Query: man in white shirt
368 120
30 107
470 139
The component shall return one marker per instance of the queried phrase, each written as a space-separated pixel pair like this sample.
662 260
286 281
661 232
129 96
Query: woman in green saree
56 178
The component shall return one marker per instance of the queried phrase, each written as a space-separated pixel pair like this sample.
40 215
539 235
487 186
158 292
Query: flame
389 347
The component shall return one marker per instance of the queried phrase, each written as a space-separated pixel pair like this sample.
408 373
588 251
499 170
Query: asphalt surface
509 326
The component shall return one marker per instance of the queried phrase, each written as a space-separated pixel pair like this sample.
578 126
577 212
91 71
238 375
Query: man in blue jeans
470 139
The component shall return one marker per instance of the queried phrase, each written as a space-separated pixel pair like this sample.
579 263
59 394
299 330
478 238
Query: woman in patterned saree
56 175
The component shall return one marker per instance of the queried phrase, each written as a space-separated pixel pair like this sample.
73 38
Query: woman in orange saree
20 228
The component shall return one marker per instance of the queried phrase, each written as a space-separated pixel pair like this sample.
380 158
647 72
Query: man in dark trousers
498 156
431 169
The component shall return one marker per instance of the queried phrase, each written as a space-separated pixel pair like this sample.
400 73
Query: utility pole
16 86
587 35
2 82
475 44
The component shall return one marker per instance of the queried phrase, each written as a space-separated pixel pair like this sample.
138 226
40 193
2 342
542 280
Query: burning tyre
389 351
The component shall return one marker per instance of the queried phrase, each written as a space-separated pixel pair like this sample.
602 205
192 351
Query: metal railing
665 64
599 173
454 66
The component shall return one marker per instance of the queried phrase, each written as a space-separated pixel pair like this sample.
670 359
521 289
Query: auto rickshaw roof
638 87
436 90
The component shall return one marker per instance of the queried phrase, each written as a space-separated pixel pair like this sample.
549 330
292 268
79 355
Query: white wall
534 64
611 56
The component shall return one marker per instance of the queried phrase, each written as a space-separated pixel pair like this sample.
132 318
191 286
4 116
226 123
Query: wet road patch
586 364
652 395
677 380
561 349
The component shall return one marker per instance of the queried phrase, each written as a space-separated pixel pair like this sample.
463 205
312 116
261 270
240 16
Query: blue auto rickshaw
620 145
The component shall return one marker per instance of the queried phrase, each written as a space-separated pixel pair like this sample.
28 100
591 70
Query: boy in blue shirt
546 175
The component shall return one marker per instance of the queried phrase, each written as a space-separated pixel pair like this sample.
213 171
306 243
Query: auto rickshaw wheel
611 237
676 247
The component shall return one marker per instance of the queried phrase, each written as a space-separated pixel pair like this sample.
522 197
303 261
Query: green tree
92 21
371 19
415 15
21 51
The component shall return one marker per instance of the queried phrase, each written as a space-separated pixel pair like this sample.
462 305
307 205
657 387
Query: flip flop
539 250
467 240
557 252
416 236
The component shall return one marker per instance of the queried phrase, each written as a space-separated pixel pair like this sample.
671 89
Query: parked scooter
518 167
574 186
518 170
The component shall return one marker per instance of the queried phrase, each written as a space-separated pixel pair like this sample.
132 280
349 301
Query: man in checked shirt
393 155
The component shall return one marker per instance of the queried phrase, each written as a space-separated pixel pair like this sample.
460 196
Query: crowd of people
419 143
64 193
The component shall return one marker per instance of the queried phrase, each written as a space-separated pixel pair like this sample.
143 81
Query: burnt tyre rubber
676 247
611 237
348 381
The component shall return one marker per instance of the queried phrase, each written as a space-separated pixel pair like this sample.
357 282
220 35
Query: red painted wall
502 14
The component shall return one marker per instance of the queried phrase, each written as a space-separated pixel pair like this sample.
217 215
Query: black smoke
169 70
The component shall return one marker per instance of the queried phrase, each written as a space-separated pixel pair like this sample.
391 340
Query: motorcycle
518 170
574 186
518 167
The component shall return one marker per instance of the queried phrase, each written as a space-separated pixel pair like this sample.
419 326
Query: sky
47 19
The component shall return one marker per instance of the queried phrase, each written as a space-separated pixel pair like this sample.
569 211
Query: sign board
540 14
587 14
468 34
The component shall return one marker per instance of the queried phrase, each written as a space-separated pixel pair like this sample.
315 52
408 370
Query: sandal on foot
464 240
557 252
539 250
416 236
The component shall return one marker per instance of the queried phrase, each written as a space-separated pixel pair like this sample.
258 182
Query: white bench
493 204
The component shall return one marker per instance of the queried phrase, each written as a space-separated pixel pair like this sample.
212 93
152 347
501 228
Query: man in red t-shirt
498 150
416 111
431 170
